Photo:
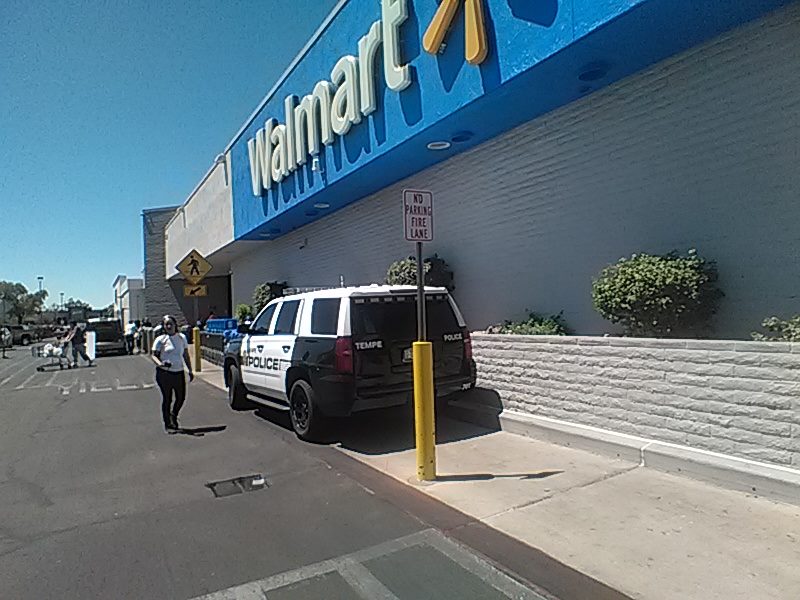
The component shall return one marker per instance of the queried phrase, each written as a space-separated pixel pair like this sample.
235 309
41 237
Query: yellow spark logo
476 46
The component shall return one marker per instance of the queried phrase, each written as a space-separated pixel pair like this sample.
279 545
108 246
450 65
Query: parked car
334 352
22 335
109 336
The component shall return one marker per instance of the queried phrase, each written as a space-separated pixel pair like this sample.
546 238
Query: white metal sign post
418 224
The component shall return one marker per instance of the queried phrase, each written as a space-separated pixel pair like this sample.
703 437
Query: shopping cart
54 354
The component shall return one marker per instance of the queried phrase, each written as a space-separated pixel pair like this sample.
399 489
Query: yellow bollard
197 354
422 353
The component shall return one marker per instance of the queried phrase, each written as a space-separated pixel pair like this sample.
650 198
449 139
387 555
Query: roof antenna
341 280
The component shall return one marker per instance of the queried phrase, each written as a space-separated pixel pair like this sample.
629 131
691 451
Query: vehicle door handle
285 348
260 348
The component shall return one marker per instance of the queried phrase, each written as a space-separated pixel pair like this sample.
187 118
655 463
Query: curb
730 472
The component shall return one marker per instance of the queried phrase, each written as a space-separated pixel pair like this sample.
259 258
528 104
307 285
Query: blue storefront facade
540 55
393 92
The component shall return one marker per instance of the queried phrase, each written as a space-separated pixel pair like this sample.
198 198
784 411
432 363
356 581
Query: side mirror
243 328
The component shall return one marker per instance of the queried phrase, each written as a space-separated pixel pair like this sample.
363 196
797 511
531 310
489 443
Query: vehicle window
325 316
287 317
397 320
261 324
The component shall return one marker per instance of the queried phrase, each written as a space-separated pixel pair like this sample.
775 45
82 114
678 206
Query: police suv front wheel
307 421
237 395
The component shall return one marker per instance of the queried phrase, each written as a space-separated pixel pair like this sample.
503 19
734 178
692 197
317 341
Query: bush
534 325
659 296
437 272
266 293
779 330
243 312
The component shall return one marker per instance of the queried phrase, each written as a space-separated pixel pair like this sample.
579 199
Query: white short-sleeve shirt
171 348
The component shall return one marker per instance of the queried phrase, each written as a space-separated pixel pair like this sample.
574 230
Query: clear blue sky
107 108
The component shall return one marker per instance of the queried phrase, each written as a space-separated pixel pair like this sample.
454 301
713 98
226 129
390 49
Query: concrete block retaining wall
737 398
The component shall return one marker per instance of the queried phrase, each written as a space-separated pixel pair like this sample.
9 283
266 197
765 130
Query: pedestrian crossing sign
195 291
194 267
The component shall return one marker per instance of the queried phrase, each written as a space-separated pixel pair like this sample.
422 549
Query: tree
74 303
669 295
243 312
436 272
10 294
18 302
266 292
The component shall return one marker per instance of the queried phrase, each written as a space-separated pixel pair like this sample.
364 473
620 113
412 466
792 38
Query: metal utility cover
237 485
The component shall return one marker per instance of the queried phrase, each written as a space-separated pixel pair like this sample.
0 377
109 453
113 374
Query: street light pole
41 279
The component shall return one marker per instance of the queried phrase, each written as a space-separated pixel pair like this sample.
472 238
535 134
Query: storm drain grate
237 485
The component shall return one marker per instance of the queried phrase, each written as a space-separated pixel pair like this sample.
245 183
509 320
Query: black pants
169 382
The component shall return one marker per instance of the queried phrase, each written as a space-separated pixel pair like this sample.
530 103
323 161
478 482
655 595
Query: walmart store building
556 135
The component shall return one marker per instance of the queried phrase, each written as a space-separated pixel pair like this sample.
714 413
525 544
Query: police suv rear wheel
307 422
237 395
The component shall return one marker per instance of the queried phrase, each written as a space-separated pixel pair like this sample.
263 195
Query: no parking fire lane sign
418 215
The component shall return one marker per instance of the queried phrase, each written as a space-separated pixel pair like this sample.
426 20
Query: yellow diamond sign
476 46
194 267
195 291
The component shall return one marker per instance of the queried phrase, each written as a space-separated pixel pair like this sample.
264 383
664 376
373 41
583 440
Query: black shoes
172 425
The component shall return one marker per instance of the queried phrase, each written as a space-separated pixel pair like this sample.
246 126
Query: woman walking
169 349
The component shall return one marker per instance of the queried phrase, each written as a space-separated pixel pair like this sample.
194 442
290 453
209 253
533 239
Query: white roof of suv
365 290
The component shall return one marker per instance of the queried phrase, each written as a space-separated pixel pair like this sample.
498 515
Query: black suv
333 352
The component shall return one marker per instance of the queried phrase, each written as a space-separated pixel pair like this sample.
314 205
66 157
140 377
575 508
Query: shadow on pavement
489 476
384 431
201 431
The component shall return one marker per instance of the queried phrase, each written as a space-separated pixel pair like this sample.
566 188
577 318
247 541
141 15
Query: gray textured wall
738 398
159 298
701 150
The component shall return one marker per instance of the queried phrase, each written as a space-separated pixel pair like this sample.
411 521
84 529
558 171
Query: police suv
329 353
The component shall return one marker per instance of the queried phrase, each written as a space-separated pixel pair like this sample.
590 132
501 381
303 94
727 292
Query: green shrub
243 312
779 330
659 296
535 325
266 292
437 272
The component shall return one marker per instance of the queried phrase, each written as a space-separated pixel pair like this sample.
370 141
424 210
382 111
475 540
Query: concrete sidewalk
645 533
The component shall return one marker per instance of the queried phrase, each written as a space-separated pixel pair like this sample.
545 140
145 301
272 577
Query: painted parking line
363 582
24 368
353 569
26 382
126 387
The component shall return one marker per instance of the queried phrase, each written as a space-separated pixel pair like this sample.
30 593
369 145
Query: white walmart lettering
276 150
